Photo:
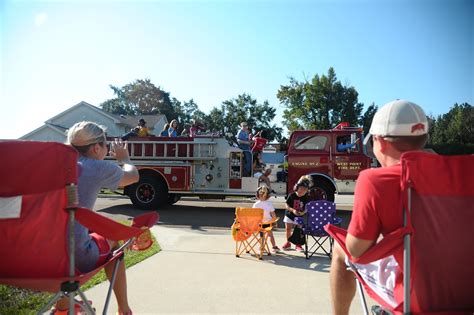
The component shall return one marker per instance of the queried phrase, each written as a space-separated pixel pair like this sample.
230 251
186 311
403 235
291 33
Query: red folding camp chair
38 202
438 199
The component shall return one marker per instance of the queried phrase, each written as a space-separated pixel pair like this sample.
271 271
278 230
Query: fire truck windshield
312 142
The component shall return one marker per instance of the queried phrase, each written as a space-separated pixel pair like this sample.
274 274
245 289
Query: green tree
365 120
228 117
431 128
215 120
140 97
454 127
321 103
186 112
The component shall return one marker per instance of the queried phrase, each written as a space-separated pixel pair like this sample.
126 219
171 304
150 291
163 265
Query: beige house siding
46 133
83 113
55 128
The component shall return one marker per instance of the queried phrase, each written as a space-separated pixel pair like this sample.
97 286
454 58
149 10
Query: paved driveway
197 271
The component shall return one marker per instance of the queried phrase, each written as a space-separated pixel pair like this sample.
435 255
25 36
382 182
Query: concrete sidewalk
197 272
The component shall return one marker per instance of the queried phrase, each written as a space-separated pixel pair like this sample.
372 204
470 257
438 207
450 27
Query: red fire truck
211 167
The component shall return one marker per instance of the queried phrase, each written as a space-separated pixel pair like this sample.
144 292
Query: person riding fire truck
209 167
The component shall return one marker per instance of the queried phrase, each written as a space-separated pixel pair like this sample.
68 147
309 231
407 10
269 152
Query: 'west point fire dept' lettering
349 165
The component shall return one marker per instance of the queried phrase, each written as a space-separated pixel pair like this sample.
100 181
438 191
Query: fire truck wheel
173 198
149 193
321 191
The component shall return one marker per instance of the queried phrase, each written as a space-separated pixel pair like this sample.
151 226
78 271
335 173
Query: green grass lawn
21 301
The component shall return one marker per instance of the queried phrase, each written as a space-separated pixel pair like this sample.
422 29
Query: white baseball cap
398 118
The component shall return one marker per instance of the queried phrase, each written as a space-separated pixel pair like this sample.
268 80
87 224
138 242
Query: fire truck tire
173 198
149 193
321 191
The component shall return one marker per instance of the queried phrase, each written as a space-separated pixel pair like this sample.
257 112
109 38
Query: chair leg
360 290
85 306
266 246
317 245
255 244
306 246
331 245
112 282
262 245
51 302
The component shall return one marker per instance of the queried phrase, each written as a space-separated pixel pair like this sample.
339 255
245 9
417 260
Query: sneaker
275 249
287 246
299 248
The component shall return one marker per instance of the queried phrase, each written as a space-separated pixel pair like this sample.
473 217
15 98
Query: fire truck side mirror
353 137
355 140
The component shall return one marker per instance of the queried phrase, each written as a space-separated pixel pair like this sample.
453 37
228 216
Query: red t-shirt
377 203
258 144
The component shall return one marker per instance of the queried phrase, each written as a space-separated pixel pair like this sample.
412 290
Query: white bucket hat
398 118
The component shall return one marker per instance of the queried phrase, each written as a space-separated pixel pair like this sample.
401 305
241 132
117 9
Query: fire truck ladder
172 150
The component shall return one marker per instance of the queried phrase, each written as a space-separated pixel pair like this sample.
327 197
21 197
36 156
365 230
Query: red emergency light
342 125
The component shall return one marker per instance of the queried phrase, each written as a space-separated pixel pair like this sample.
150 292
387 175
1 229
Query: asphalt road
199 214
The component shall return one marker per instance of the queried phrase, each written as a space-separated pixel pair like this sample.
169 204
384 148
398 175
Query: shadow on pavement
292 259
195 217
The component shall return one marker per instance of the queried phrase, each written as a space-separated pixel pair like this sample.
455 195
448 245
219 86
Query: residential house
55 128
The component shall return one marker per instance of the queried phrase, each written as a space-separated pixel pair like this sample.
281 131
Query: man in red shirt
397 127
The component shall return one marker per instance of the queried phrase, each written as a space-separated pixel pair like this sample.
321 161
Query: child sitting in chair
263 194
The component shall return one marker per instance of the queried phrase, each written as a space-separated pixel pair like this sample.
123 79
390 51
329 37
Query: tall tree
365 120
228 117
140 97
454 127
321 103
187 112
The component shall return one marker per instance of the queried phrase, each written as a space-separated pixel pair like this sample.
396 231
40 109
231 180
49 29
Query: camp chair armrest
272 221
111 229
379 250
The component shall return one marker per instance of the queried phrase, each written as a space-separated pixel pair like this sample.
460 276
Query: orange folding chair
424 267
38 210
250 233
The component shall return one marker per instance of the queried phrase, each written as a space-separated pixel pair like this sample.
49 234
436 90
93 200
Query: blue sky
55 54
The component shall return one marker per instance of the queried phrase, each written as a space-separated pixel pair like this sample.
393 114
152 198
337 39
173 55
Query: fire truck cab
332 169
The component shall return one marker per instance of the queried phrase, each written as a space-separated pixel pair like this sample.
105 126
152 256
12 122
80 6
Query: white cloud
40 19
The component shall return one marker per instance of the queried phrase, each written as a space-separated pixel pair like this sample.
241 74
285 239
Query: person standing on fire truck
259 141
244 145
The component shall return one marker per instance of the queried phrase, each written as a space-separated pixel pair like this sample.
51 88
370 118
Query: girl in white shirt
263 194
